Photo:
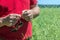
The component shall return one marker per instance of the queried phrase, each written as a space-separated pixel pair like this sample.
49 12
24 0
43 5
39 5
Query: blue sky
57 2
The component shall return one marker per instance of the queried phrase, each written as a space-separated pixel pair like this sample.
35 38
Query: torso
15 6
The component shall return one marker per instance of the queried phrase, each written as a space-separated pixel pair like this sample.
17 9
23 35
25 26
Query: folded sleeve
33 2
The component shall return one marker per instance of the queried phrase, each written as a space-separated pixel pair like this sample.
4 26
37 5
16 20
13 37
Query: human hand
27 15
11 19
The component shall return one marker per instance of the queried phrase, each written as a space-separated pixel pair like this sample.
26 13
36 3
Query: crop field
47 25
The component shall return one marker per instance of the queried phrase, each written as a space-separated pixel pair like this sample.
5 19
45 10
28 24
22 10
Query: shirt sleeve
33 2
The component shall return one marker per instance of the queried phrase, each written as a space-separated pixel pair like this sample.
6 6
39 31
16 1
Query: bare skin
28 15
9 20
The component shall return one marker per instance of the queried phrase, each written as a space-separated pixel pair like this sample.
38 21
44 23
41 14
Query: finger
28 18
25 12
17 16
1 20
30 15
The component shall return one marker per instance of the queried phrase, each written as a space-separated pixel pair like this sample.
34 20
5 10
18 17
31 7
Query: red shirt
16 6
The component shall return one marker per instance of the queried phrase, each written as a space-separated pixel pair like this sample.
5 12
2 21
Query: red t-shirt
16 6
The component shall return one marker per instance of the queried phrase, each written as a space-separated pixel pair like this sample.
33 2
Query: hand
27 15
11 19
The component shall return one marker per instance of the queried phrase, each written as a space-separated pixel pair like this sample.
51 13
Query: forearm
35 11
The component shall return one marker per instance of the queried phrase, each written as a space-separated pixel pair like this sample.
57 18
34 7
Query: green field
47 25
